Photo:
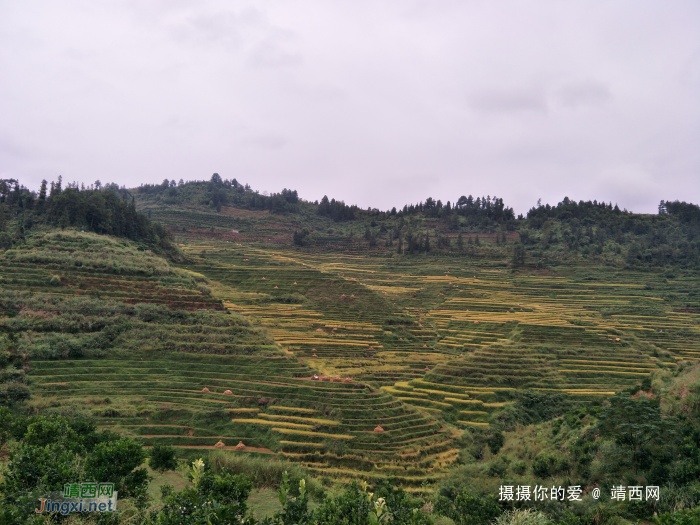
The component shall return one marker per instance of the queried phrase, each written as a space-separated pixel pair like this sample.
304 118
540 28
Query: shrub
523 517
496 441
545 465
162 458
55 280
468 509
11 393
684 517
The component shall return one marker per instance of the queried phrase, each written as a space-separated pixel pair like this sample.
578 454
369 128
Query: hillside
358 344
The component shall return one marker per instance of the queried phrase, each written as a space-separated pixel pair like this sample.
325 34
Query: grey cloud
270 53
268 142
509 101
221 27
584 93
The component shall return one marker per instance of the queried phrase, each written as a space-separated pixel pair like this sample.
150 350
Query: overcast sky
376 103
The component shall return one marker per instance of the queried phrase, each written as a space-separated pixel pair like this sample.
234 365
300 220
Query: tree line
104 209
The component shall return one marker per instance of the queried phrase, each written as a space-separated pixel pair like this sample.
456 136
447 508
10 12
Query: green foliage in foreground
52 451
47 452
623 441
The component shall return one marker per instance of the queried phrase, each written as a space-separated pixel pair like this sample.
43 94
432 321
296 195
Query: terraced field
355 366
194 402
150 351
455 337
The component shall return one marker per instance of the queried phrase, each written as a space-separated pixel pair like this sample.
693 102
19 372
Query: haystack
205 390
379 429
220 444
228 393
336 379
425 346
426 368
295 282
263 278
476 322
314 355
240 446
347 380
275 288
325 378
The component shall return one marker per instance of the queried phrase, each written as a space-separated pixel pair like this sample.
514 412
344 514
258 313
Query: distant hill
592 231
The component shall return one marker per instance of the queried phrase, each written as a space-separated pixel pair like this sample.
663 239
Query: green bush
162 458
683 517
468 509
496 441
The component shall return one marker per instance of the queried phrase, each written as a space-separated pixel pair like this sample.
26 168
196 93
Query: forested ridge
100 209
570 230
